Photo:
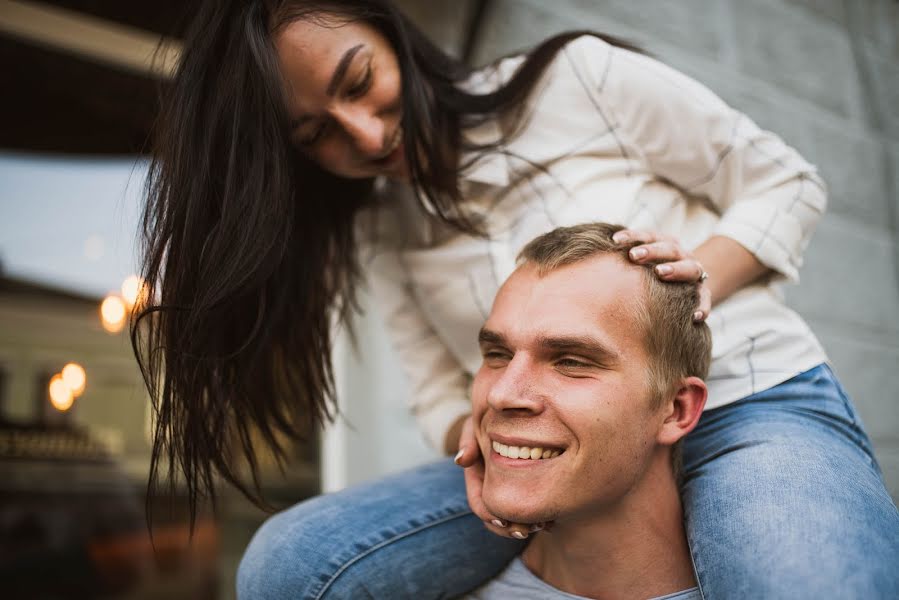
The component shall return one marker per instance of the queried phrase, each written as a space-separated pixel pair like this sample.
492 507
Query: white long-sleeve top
609 135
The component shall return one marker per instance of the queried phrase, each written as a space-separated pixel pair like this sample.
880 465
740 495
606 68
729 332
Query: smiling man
591 375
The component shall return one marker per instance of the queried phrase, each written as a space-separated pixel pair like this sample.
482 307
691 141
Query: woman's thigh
408 536
783 498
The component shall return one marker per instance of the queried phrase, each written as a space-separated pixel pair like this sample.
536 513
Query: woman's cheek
329 158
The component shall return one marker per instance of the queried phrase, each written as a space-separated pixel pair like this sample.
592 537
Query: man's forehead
598 292
601 280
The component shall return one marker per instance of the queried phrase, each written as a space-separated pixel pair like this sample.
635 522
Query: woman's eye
312 137
362 85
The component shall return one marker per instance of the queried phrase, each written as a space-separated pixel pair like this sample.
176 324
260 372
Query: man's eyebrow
580 344
341 69
487 336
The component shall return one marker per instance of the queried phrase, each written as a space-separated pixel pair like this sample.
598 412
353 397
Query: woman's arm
768 197
438 384
724 264
730 267
451 441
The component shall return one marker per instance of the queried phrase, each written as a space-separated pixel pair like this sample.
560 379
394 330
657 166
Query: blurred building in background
73 459
81 79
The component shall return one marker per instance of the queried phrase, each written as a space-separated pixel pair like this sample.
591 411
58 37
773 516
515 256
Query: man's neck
634 549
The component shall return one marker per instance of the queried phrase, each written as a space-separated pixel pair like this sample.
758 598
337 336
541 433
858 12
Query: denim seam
379 545
695 570
860 437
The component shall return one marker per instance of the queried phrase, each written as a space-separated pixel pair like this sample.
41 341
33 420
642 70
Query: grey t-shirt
516 581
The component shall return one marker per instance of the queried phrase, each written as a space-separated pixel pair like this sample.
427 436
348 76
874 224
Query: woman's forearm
730 266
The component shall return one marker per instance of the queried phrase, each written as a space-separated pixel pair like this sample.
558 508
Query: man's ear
683 410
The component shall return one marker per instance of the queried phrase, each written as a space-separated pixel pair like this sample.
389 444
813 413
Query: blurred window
4 383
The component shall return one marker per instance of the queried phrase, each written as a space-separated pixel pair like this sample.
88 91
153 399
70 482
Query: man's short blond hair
677 346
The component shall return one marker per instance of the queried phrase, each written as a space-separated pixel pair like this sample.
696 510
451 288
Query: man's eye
495 356
571 363
362 85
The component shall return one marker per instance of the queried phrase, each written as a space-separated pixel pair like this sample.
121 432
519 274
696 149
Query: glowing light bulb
61 396
75 377
134 290
112 313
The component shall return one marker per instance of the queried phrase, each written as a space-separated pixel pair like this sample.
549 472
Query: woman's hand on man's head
672 262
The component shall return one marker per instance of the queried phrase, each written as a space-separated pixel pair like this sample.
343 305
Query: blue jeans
782 494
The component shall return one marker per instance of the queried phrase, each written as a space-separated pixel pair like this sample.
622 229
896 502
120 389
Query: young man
591 375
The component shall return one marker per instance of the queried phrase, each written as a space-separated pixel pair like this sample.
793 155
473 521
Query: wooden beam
100 40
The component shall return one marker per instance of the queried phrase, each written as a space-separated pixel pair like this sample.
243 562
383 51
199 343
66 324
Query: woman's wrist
730 266
451 440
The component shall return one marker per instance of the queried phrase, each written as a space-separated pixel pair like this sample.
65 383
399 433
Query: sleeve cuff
772 236
436 420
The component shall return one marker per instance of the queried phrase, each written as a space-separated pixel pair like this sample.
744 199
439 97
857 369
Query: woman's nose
365 130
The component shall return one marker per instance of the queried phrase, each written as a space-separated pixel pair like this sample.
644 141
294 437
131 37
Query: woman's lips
391 158
395 151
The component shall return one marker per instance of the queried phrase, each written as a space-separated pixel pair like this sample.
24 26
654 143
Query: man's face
564 371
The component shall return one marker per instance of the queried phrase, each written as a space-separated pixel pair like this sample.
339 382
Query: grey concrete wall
824 74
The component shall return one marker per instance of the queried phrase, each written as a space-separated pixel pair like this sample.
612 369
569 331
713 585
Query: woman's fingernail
638 253
664 270
620 237
519 535
697 316
499 522
458 456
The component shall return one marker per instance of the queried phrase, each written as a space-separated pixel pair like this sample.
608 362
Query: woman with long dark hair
303 143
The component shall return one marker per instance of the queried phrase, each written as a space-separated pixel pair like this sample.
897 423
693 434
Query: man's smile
525 452
521 449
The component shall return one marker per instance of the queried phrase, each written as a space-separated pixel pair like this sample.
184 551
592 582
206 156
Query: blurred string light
66 386
61 396
112 313
134 291
75 377
115 308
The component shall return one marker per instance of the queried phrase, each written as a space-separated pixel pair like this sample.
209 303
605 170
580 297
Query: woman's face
343 96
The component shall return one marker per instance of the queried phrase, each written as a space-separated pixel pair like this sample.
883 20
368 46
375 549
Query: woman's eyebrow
341 69
339 73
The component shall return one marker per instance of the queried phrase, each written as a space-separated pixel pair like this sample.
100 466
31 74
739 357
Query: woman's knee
304 550
276 564
791 516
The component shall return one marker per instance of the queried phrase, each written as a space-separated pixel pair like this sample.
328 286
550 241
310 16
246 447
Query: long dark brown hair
248 246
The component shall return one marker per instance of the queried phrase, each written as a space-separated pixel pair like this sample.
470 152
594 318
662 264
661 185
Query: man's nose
517 388
365 130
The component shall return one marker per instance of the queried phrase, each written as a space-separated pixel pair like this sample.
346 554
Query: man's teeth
524 451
